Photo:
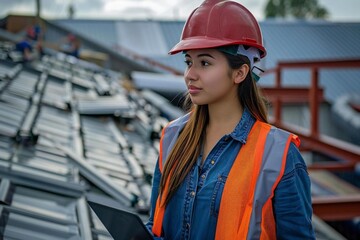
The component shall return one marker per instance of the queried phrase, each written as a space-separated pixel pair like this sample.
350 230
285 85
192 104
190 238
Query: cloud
17 7
179 9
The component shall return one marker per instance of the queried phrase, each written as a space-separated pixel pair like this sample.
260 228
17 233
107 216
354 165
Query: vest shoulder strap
168 138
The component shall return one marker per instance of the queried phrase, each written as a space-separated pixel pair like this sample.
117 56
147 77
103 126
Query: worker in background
34 32
24 46
71 46
29 44
223 172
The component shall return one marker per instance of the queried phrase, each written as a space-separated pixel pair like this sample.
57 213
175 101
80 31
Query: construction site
73 126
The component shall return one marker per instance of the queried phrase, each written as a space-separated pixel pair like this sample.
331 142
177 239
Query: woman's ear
240 74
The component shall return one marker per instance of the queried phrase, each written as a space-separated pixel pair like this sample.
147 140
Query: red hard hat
218 23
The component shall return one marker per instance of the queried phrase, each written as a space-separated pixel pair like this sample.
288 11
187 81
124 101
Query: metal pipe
314 102
344 207
277 103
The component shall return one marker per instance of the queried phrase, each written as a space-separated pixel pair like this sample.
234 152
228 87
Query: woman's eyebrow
205 55
200 55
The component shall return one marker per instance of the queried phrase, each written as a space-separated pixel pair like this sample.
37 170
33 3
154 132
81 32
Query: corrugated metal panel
143 37
103 32
171 31
340 82
152 39
284 40
304 40
115 60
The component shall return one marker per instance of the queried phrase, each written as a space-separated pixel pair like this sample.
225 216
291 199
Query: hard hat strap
256 72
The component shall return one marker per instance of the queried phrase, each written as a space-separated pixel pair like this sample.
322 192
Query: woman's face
208 77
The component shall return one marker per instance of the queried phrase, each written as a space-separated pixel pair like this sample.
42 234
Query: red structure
337 207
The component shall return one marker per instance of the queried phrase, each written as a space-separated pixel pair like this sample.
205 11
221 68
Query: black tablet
121 224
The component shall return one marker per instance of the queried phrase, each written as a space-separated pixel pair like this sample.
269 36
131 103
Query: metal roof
103 32
52 151
309 40
284 40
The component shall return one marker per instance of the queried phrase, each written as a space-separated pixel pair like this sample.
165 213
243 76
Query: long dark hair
186 150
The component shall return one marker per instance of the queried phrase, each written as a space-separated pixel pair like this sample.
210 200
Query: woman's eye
188 62
205 63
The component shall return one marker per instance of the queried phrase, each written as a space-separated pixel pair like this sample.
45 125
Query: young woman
223 172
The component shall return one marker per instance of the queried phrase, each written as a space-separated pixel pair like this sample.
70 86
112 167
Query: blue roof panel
284 41
300 40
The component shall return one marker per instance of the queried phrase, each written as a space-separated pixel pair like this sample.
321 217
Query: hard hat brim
206 42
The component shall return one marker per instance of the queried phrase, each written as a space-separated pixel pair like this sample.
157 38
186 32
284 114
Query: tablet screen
121 224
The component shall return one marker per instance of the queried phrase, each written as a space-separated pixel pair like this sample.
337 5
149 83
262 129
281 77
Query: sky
339 10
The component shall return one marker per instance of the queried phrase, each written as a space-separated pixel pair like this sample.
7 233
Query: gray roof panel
103 32
309 40
171 31
142 37
284 40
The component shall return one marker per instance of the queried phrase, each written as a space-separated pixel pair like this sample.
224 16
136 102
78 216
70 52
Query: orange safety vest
246 204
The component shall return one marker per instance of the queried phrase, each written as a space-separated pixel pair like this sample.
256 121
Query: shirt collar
244 126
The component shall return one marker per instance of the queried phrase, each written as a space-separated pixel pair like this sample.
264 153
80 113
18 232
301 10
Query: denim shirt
193 210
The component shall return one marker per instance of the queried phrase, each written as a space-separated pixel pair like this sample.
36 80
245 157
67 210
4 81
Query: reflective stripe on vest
246 207
169 136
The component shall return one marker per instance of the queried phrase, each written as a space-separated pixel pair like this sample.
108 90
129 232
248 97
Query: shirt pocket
216 196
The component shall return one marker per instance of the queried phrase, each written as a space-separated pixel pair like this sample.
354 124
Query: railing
311 138
335 207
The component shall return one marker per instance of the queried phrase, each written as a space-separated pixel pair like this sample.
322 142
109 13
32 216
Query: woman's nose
191 74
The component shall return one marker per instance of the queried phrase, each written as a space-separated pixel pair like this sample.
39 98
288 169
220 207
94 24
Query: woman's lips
194 90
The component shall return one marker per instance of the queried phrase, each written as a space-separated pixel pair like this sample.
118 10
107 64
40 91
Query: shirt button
192 193
203 176
212 162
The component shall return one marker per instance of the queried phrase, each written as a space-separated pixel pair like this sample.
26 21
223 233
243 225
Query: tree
304 9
